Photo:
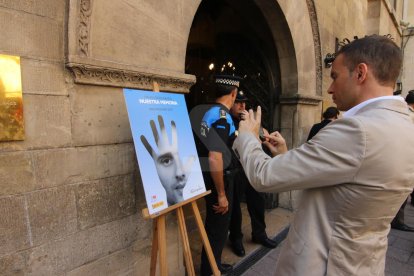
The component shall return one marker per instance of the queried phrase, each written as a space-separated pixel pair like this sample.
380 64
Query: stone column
298 114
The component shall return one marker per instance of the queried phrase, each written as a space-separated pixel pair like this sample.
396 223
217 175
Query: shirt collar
351 112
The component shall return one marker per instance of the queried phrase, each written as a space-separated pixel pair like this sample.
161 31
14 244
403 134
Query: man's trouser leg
217 226
399 218
256 207
235 228
412 197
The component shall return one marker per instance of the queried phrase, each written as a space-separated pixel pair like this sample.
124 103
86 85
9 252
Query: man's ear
361 71
234 93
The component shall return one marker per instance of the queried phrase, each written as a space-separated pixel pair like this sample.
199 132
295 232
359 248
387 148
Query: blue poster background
144 106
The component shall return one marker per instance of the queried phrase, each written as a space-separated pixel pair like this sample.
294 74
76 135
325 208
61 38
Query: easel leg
186 244
154 250
204 239
162 245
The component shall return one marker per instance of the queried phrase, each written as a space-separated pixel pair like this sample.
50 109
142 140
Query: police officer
217 133
254 200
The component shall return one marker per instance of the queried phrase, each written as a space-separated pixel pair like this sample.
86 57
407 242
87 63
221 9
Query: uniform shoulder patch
223 113
204 129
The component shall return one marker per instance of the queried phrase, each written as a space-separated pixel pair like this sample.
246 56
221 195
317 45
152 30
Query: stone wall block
52 214
16 173
72 165
288 112
105 200
94 243
140 193
290 80
25 34
41 260
154 21
408 72
70 252
144 231
288 134
99 116
13 264
188 9
14 231
118 263
309 115
47 123
41 77
45 8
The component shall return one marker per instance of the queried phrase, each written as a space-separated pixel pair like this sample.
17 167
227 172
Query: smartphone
261 134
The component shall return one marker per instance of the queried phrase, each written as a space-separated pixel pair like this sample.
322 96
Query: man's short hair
225 84
380 53
222 89
410 97
330 112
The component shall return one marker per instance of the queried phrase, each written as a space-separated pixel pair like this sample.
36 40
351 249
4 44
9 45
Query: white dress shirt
355 109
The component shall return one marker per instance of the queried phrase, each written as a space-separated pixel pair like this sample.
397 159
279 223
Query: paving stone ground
399 261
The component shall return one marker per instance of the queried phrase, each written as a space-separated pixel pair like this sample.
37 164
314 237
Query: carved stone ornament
300 99
84 26
89 70
95 75
317 44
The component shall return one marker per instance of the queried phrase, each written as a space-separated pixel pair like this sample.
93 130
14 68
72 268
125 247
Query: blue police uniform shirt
217 133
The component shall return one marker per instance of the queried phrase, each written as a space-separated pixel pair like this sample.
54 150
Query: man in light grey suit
355 173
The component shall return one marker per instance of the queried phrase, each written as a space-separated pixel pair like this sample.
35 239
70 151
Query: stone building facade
70 193
407 44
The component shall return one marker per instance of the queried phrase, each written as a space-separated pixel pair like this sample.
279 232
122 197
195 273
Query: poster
165 148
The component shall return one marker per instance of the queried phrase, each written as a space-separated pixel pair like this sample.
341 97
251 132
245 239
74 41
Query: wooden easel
159 241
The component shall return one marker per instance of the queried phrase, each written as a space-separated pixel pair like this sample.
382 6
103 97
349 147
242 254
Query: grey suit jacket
356 173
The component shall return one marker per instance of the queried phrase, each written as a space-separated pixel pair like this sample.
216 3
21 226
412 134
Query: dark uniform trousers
255 206
399 218
217 225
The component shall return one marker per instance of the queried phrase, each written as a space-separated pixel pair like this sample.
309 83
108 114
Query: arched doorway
234 37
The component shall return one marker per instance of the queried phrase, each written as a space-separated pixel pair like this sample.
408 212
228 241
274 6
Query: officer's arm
215 160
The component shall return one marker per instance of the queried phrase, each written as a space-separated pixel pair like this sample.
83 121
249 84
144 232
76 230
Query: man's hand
243 115
266 134
275 143
223 205
251 123
172 173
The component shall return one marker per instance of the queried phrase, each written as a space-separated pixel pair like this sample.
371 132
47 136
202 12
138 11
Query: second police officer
254 200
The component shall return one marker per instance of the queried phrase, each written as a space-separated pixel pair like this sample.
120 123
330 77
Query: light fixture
329 59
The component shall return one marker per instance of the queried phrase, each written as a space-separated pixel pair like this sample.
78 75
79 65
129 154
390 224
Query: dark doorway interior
232 37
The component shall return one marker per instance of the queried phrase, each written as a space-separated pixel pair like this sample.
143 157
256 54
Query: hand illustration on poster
173 175
165 148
